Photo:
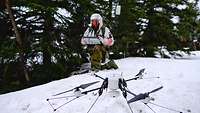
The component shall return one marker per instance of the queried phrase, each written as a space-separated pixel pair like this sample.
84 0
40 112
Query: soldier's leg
109 64
103 51
96 57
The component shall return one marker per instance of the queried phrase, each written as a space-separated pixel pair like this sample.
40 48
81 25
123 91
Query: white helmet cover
97 17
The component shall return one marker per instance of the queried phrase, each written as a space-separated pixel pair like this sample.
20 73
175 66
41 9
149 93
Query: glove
83 41
106 41
101 39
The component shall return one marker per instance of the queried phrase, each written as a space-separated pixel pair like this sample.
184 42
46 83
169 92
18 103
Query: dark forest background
40 39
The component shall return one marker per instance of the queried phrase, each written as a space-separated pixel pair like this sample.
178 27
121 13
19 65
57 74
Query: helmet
96 21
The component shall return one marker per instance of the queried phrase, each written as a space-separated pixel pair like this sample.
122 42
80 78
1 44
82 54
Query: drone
112 83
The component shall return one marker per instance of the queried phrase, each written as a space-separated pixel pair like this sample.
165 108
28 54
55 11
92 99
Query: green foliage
151 24
51 39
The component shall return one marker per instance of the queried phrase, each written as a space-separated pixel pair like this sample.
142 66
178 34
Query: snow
179 77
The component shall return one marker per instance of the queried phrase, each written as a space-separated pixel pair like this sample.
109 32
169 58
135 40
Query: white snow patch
179 77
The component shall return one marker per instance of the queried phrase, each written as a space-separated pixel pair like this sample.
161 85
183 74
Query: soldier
97 39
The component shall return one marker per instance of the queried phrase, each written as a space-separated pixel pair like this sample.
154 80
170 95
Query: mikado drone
111 83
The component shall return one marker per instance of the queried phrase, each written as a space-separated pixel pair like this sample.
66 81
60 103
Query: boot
110 65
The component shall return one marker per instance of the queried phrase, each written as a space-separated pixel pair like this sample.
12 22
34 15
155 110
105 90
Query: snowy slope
179 77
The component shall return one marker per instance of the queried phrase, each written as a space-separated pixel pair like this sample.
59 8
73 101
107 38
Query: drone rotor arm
157 89
138 97
83 86
64 92
85 92
142 95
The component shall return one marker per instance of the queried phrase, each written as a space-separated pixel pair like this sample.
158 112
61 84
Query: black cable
51 105
65 103
99 76
149 107
63 97
103 86
129 106
93 104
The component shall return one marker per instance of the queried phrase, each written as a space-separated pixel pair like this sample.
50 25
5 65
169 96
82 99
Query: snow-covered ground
180 79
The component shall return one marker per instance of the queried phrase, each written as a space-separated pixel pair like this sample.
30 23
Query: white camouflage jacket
103 36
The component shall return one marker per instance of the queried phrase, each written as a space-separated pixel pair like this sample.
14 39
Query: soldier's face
95 24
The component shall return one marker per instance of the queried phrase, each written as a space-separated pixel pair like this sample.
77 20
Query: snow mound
179 77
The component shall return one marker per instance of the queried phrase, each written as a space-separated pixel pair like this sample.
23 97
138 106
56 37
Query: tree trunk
19 41
48 38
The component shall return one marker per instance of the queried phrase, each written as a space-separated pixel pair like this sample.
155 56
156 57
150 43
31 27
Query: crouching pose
97 39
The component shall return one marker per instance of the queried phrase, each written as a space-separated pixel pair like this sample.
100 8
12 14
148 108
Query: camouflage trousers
98 55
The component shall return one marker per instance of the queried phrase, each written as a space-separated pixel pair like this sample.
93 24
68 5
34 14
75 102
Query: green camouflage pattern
98 55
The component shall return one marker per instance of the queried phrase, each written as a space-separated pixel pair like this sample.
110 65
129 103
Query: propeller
137 76
142 95
140 72
83 86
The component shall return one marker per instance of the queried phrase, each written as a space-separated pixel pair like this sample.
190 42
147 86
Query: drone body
113 81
